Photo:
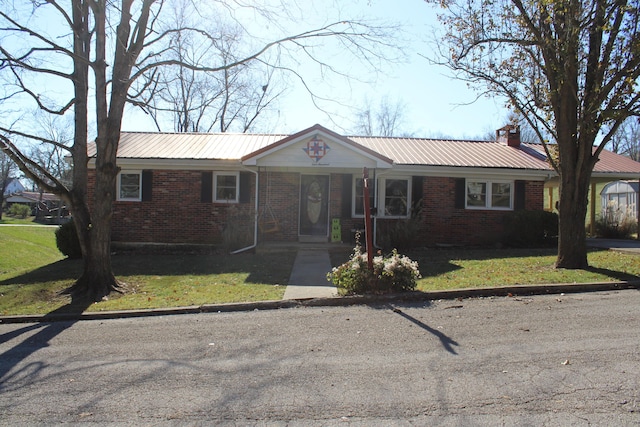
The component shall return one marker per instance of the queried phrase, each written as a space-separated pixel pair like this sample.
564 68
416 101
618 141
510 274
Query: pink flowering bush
391 273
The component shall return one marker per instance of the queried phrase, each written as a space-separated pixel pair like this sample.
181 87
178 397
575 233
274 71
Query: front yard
33 273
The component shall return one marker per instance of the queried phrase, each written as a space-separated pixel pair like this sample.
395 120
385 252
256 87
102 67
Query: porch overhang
316 147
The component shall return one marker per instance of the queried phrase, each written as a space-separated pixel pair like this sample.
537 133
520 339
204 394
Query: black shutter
147 185
460 193
519 199
347 182
245 187
206 189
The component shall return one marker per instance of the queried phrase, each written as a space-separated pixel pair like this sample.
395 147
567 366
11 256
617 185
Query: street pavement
545 360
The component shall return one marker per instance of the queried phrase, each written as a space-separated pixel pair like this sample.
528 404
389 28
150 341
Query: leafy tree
569 67
90 56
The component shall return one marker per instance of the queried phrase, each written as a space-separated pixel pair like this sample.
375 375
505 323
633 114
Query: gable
317 146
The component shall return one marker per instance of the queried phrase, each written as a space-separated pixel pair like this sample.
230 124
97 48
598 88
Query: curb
406 297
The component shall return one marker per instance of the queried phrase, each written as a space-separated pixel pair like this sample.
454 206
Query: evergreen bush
67 240
530 228
19 211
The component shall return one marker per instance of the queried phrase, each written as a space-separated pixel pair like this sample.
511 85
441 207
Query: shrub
530 228
19 211
67 240
615 223
392 273
402 233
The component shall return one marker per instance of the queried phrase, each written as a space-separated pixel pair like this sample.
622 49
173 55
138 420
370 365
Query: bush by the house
530 228
402 233
19 211
616 223
391 273
67 240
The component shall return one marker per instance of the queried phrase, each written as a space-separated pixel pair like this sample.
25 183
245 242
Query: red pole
368 232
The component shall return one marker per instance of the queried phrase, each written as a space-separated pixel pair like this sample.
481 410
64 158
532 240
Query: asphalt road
554 360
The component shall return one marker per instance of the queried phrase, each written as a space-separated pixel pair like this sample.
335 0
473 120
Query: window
358 196
489 195
225 187
395 200
130 186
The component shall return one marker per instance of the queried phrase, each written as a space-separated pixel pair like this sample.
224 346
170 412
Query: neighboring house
14 186
194 188
620 198
42 204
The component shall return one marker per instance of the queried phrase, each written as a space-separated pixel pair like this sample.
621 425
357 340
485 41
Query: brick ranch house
307 187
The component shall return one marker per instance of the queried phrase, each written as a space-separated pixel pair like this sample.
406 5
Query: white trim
216 174
489 194
118 184
382 196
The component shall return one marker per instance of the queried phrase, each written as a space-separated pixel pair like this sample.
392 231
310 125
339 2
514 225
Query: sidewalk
628 246
309 276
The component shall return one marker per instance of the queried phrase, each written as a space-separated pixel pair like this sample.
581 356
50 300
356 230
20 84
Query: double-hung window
395 197
225 187
358 196
489 195
129 186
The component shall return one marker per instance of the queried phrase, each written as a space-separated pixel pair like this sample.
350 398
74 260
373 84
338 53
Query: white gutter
255 221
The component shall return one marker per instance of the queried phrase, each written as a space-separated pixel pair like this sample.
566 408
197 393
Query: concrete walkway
309 276
628 246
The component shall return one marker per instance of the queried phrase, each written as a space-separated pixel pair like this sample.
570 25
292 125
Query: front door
314 206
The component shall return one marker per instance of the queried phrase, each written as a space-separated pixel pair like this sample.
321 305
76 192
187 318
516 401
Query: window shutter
347 182
147 184
206 189
245 187
519 199
460 193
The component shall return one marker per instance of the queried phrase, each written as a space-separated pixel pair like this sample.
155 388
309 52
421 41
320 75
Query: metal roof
462 153
403 151
206 146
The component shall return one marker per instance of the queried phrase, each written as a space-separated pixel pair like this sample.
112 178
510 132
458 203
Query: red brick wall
443 223
176 214
283 200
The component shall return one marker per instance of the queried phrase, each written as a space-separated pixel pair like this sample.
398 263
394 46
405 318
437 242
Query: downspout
255 216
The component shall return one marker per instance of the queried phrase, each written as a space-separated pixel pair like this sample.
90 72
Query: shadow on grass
48 328
261 268
618 275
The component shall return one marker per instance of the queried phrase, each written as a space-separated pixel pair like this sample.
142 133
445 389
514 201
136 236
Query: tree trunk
94 232
572 243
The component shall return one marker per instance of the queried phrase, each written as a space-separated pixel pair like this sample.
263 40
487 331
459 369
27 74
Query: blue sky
435 104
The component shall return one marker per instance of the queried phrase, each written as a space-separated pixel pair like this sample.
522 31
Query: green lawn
457 268
33 273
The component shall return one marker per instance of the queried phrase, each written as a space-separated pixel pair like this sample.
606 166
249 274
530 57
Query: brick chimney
510 135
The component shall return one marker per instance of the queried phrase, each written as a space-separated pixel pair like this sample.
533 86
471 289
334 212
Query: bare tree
230 99
7 169
92 54
626 140
569 67
385 119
